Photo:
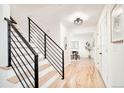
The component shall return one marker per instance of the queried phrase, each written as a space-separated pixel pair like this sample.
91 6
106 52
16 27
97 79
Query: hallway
44 52
80 74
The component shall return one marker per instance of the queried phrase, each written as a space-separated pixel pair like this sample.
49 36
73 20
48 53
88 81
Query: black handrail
52 51
12 20
13 61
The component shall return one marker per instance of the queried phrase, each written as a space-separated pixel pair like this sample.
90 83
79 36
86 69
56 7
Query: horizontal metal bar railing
52 45
22 46
58 66
12 20
24 40
54 57
38 39
23 70
52 51
22 54
55 52
15 60
22 61
18 77
19 72
39 46
36 25
36 29
59 59
54 66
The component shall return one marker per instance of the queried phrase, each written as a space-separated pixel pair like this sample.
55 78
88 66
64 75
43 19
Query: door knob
100 53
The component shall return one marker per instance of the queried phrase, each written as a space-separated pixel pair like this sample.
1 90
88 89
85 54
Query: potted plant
88 47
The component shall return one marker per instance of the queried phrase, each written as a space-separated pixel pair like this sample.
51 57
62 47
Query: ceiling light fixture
78 21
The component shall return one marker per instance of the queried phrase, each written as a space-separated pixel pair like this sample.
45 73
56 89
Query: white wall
44 16
65 40
114 69
117 62
4 12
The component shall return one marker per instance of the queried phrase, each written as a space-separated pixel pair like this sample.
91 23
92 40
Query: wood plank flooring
80 74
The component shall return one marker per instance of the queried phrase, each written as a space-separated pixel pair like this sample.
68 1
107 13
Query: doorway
102 48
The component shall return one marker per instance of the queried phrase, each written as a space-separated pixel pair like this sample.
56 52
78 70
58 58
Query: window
75 45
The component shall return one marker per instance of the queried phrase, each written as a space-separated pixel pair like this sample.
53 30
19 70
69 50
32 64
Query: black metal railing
24 66
12 20
51 51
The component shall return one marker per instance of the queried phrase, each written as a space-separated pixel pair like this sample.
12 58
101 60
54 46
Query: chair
75 55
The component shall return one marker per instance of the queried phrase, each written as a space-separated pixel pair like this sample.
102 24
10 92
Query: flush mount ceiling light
78 17
78 21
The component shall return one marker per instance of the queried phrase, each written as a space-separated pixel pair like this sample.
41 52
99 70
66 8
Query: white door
104 44
102 49
99 49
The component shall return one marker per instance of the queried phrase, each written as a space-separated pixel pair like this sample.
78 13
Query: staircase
37 63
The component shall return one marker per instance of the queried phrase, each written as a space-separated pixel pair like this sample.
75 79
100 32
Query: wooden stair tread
46 77
15 79
57 83
44 66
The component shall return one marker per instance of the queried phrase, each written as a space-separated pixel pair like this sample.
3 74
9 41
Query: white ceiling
82 35
63 12
89 13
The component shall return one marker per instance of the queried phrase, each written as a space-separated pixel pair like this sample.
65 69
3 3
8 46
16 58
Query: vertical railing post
62 64
36 71
45 45
9 44
29 29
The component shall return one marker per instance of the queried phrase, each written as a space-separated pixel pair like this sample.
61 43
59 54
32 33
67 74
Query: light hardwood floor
80 74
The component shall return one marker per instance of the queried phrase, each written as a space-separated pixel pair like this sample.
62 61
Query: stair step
45 72
58 83
50 81
46 77
15 80
44 66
